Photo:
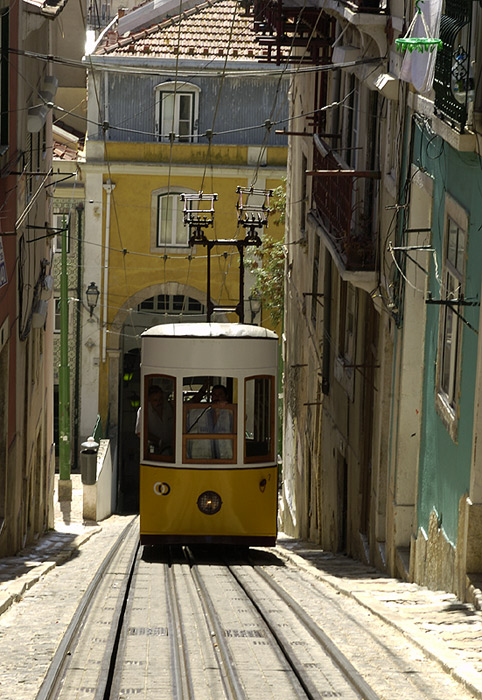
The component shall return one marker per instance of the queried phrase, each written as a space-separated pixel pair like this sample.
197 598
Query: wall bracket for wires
458 301
454 304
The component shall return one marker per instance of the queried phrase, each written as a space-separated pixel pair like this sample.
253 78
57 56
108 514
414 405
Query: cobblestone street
40 589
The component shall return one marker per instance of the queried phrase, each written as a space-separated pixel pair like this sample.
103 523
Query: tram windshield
209 410
259 397
157 418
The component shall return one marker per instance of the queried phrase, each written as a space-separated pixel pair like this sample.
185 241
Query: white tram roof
209 330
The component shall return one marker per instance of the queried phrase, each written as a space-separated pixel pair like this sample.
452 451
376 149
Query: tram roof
209 330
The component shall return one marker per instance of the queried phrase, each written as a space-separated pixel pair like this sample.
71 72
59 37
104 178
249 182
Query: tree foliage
267 264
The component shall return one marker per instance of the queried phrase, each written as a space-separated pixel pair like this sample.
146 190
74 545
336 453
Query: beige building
381 399
26 308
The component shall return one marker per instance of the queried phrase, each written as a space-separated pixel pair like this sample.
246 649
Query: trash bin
88 461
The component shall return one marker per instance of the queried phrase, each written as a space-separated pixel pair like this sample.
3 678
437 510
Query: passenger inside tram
160 420
208 418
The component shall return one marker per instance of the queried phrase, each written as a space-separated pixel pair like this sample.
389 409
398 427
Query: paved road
40 588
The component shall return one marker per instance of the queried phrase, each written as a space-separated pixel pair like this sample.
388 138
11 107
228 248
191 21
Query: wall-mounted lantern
92 293
254 306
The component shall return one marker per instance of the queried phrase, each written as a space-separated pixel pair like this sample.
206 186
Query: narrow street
180 630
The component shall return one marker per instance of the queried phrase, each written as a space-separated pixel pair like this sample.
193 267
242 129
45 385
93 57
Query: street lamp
92 293
254 305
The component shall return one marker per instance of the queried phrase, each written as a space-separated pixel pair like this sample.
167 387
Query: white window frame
177 92
59 220
449 353
172 244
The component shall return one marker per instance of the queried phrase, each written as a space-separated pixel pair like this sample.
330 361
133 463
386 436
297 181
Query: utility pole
65 482
252 215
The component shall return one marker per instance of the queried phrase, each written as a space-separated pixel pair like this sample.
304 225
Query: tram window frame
198 402
158 380
268 420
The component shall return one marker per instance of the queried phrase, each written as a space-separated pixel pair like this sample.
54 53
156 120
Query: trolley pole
65 482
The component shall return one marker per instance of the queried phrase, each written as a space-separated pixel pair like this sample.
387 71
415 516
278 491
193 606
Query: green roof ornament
422 43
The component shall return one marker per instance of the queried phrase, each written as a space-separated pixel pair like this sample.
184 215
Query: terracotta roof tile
205 31
63 152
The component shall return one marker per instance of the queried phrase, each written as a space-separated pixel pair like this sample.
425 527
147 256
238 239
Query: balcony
341 210
373 6
454 78
293 34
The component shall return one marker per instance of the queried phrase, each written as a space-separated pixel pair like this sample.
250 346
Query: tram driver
216 417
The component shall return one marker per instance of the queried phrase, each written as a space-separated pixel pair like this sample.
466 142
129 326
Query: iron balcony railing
340 212
453 79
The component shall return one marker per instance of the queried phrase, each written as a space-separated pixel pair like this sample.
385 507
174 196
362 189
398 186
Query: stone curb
13 591
450 662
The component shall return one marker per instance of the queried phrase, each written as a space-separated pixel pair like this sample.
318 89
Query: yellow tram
208 427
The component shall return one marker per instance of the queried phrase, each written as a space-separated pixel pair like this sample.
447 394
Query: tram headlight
209 502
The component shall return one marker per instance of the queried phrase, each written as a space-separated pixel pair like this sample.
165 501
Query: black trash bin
88 461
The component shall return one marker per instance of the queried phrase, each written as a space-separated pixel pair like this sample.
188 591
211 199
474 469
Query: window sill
466 142
174 250
447 415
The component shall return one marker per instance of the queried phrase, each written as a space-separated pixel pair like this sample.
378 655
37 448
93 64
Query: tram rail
52 683
187 622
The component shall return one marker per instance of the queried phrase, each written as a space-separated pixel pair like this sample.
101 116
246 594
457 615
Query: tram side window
259 438
209 405
156 418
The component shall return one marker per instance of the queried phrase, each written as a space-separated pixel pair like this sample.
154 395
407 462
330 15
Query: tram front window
209 410
259 398
156 418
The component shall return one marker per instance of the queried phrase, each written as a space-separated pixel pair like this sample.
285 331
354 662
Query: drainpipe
75 451
65 483
109 188
325 381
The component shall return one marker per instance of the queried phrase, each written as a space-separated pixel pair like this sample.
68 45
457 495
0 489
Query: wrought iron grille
453 82
333 197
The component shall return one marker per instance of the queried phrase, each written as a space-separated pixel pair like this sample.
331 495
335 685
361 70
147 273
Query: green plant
279 202
267 264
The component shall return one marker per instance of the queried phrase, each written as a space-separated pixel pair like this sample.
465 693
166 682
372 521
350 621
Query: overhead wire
101 66
230 131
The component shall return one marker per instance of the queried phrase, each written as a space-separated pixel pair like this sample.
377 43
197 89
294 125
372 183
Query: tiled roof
207 31
62 151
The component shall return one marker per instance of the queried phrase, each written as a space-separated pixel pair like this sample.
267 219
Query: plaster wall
442 551
90 326
409 392
137 267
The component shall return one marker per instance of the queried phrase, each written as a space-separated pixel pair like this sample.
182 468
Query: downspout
109 188
75 453
325 379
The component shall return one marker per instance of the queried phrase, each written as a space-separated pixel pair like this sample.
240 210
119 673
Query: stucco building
383 285
26 318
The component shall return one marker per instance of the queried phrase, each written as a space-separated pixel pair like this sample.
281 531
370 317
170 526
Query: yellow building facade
145 277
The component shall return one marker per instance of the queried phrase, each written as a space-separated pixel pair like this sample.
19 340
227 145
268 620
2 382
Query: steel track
51 684
303 685
347 669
